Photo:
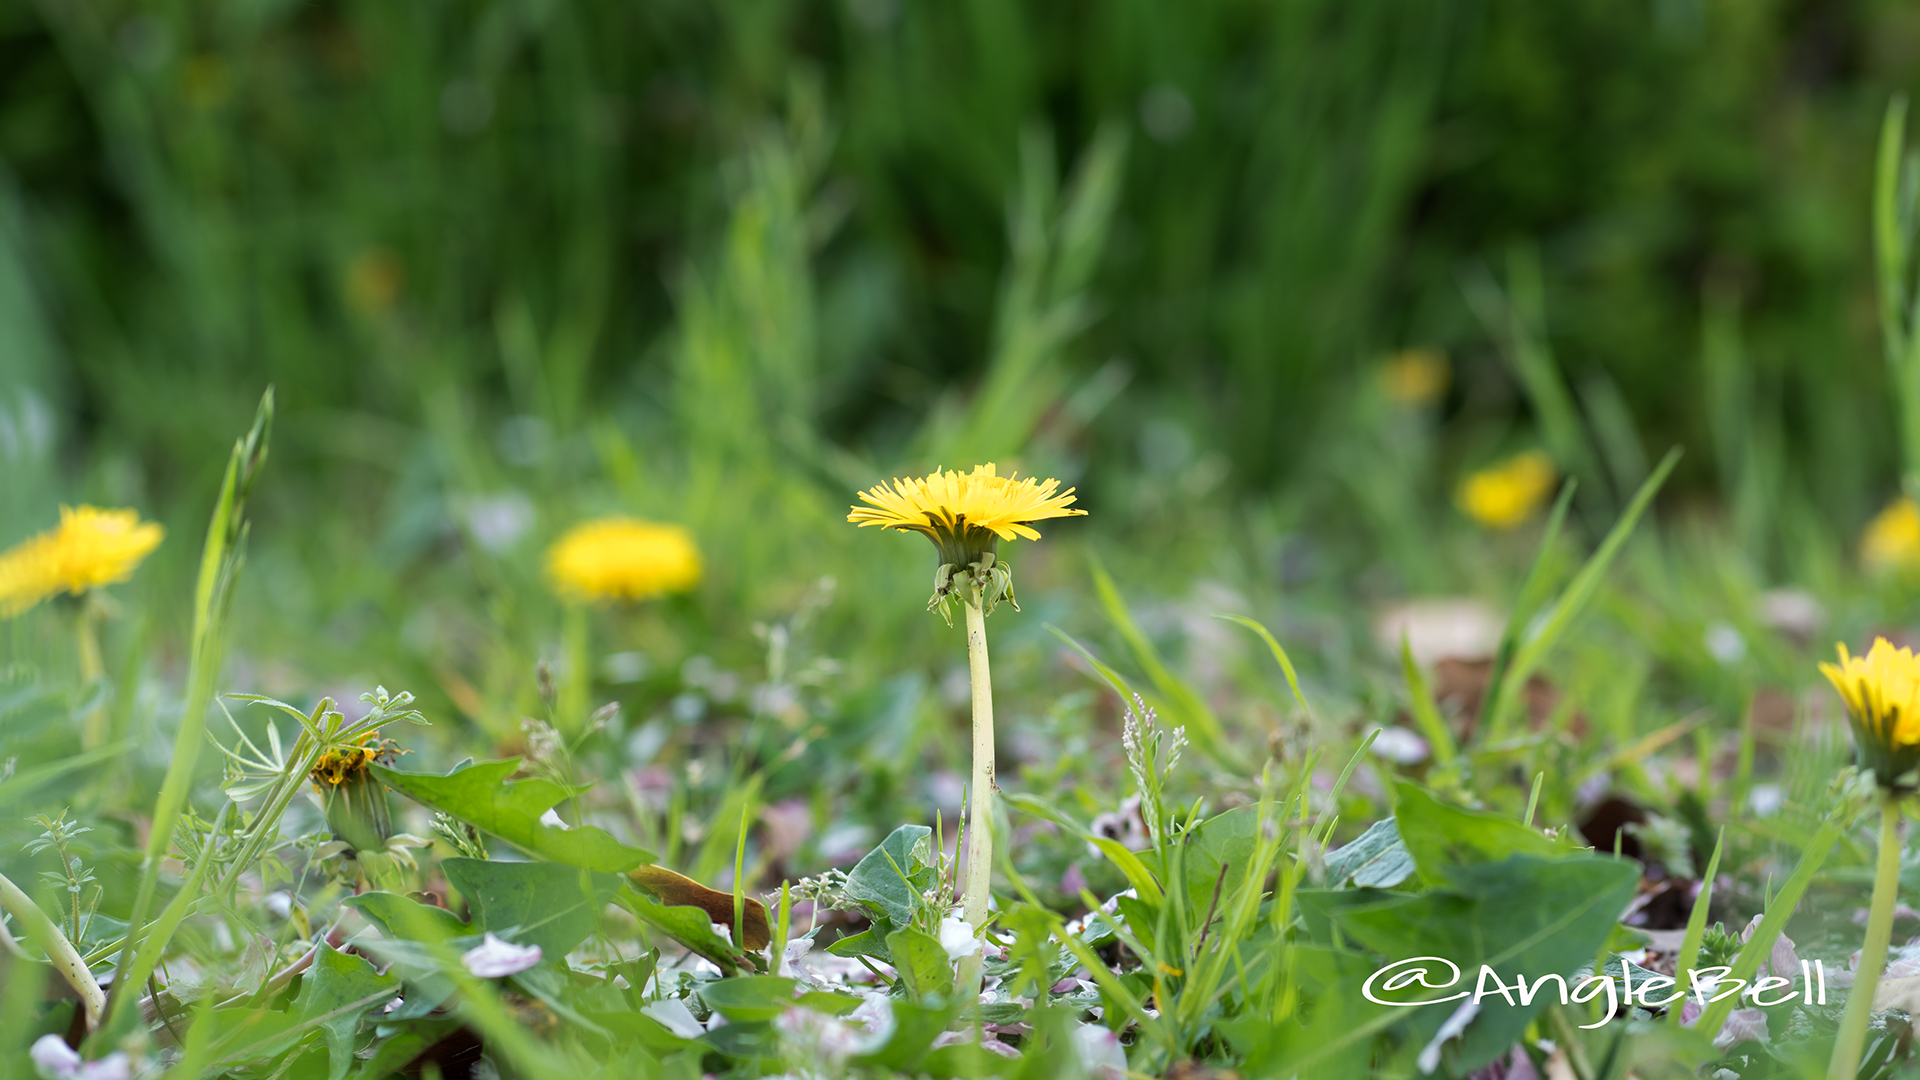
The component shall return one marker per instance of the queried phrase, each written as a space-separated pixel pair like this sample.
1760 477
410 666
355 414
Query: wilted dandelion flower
620 558
1892 539
1506 495
90 547
1882 692
353 799
1415 376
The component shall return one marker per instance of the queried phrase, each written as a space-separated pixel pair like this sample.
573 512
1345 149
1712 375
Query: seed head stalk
1852 1038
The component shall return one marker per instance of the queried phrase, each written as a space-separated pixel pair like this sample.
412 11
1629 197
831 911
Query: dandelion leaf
1524 915
1443 838
1336 1036
1222 842
483 795
336 992
545 904
407 919
889 877
1376 859
870 942
687 925
750 997
921 962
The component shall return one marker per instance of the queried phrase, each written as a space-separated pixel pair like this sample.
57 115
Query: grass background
512 264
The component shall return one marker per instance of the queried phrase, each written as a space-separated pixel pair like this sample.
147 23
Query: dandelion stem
1873 954
980 802
93 726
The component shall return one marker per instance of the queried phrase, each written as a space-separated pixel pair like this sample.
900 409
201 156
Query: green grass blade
1697 919
1425 712
219 568
1183 700
1779 909
1561 614
1279 654
1114 678
1524 604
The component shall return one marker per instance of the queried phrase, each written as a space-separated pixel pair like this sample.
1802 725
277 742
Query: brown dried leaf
677 890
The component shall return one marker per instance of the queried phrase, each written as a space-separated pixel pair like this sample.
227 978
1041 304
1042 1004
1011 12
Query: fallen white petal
1100 1052
115 1066
54 1057
496 959
674 1015
1742 1025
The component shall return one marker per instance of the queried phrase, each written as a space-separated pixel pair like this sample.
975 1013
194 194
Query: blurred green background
510 264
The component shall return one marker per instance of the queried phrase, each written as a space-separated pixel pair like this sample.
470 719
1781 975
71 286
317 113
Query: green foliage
513 266
481 795
550 905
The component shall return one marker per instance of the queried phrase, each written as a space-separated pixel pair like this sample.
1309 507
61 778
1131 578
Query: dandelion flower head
349 760
1506 495
1882 692
1416 376
621 558
90 547
1892 539
946 506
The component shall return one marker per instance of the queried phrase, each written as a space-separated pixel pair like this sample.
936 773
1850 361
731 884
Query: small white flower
496 959
957 938
553 820
54 1058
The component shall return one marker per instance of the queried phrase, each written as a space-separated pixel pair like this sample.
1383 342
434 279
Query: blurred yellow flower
1892 540
620 558
90 547
1509 493
1416 376
1882 692
373 280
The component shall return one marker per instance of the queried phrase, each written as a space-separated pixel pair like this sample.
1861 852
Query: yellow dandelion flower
950 504
1507 494
966 515
1892 539
90 547
1882 692
620 558
1416 376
